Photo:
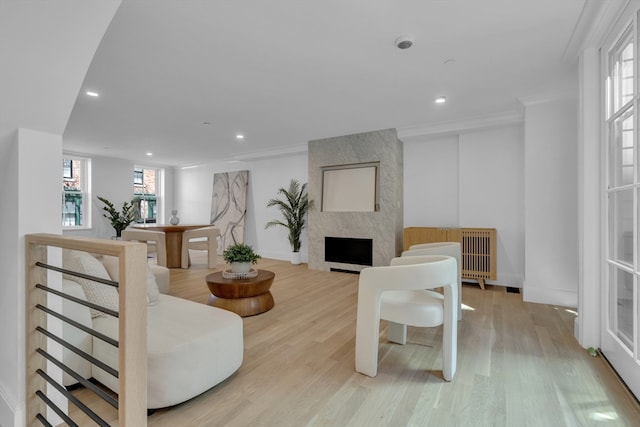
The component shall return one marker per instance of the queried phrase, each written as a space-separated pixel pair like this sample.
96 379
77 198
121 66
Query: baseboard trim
550 296
9 414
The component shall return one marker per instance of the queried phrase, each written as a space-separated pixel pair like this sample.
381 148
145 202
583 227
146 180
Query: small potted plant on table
119 220
240 257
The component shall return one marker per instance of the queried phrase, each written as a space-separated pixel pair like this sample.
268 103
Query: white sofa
191 347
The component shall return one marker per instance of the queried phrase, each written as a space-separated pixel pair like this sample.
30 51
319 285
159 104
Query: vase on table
174 220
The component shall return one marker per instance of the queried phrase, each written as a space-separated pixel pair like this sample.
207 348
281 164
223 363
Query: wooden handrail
132 399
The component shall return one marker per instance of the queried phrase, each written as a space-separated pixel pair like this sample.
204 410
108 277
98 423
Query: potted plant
119 220
240 257
294 207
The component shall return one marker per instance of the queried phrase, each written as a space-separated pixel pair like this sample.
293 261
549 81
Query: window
621 187
146 186
75 192
620 305
138 177
67 169
621 73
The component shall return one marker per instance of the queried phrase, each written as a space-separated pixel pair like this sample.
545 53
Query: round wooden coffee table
245 297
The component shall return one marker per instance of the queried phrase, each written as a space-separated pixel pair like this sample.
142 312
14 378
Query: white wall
270 175
551 202
194 186
47 48
492 194
431 182
33 207
474 179
11 291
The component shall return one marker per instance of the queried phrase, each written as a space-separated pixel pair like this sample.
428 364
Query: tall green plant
119 220
294 206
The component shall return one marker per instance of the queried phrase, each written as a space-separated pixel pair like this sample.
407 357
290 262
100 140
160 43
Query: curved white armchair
396 293
452 249
210 244
146 236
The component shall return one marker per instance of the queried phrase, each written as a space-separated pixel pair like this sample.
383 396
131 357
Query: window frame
138 172
84 191
67 170
156 197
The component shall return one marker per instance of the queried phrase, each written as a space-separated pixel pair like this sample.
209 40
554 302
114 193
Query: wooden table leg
174 249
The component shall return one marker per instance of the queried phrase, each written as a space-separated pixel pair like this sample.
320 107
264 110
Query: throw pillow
112 265
97 293
152 288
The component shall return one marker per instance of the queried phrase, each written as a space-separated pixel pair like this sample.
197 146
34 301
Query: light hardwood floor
518 365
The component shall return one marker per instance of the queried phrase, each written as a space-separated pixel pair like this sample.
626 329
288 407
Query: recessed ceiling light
239 136
149 153
404 42
441 100
92 93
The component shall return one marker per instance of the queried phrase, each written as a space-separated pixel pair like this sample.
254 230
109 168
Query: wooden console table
245 297
478 245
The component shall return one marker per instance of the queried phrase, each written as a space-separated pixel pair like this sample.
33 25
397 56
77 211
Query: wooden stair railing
42 322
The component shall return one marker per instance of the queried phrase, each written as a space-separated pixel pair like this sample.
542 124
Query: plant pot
296 258
240 267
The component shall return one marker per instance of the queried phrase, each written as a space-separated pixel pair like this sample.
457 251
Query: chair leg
212 252
184 256
450 333
449 352
397 332
367 339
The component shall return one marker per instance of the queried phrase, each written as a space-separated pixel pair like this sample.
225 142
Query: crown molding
455 127
594 23
290 150
545 97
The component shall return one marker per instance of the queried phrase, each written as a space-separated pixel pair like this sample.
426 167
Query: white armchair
208 241
155 240
452 249
397 293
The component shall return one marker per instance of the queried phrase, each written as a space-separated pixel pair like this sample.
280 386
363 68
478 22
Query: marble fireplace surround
384 226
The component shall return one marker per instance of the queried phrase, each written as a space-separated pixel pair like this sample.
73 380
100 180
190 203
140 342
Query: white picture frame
350 188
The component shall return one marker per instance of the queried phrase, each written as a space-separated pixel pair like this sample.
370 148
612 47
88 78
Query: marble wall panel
383 226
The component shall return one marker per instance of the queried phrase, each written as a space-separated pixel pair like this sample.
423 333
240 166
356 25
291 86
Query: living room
491 171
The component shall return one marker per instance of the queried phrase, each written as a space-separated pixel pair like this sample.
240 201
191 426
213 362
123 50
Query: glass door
619 326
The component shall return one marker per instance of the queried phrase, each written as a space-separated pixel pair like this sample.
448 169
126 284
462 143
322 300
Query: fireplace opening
348 250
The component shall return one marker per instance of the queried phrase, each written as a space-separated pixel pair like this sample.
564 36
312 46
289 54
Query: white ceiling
284 72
